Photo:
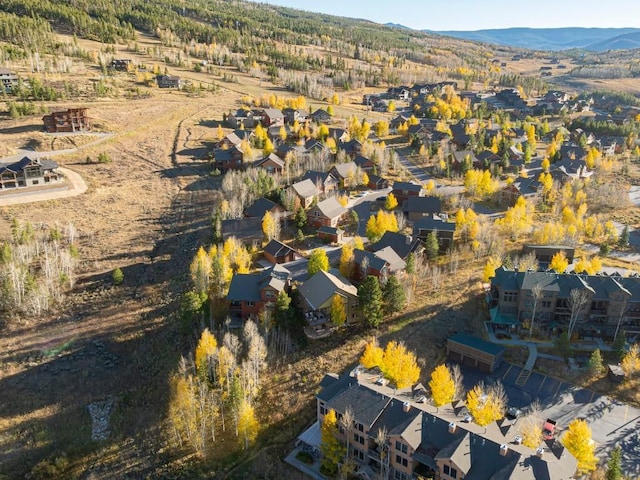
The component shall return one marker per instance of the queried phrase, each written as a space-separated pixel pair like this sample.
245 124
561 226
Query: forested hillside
247 35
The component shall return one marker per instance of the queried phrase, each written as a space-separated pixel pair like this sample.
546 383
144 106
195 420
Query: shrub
117 276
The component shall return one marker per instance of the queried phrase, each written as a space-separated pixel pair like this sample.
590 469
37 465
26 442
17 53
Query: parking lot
612 423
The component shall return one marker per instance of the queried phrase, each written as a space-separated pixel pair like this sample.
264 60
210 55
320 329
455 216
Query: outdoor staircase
523 377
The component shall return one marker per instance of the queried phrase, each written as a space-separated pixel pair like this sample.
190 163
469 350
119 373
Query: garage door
455 356
484 367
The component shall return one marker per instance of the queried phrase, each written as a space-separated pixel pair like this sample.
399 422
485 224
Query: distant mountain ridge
595 39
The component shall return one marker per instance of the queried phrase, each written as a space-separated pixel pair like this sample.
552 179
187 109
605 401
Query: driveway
73 186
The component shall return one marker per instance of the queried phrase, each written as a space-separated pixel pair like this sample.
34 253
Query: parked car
513 413
549 429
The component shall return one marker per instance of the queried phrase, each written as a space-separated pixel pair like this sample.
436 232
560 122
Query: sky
480 14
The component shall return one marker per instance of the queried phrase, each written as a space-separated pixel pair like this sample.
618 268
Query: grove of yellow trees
397 364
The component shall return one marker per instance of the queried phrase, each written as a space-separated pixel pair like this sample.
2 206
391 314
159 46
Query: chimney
539 452
518 440
452 427
504 450
406 407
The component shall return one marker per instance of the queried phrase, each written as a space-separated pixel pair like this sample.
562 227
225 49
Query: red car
549 429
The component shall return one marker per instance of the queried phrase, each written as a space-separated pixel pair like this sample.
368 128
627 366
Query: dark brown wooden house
278 252
71 120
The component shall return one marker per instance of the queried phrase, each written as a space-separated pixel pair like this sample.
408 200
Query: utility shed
474 352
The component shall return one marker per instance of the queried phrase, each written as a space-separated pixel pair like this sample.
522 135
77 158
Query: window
323 409
446 469
401 447
401 460
546 304
510 296
452 472
400 475
360 427
250 303
269 293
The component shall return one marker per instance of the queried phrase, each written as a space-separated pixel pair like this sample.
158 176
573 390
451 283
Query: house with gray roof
612 300
327 213
325 181
247 230
272 163
250 293
306 191
263 205
277 252
346 173
316 295
29 172
403 245
404 190
444 230
415 207
424 442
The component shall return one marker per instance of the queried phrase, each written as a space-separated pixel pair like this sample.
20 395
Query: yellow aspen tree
269 225
364 179
200 270
338 311
283 133
430 187
182 409
358 242
400 365
332 449
247 423
531 431
546 164
373 355
346 260
206 348
631 361
442 385
577 439
391 202
268 147
559 262
219 133
490 269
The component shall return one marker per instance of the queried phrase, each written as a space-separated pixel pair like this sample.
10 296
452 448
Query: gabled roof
345 170
272 157
242 228
375 179
374 262
320 115
305 188
260 207
331 208
396 264
433 223
408 186
277 248
396 421
361 161
24 162
226 154
461 156
247 286
365 404
459 452
403 245
422 205
318 290
273 113
319 178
